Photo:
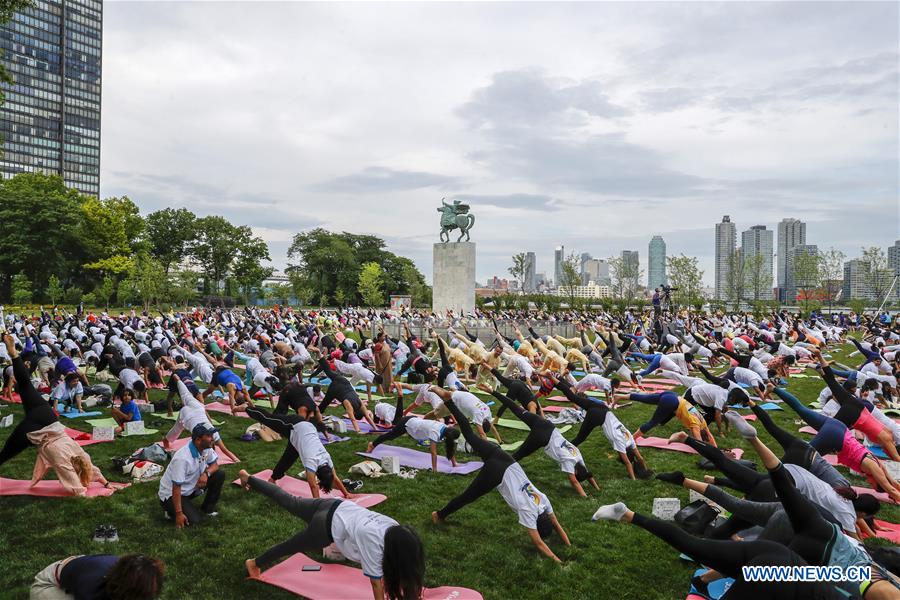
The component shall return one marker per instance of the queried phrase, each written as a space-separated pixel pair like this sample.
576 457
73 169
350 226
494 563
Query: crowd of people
799 511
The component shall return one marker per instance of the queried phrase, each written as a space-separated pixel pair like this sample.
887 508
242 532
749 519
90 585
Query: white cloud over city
593 125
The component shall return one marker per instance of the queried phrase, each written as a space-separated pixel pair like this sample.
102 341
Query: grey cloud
519 201
382 179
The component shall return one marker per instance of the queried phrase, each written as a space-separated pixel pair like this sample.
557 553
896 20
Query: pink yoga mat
888 531
808 429
83 438
16 398
49 488
298 487
663 444
224 408
880 495
179 444
421 460
341 581
554 409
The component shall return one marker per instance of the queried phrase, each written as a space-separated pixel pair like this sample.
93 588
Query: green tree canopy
170 233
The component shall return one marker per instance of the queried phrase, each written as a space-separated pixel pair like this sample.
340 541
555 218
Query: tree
110 228
300 287
183 286
685 275
21 289
569 277
370 284
218 244
146 280
759 278
248 270
831 273
857 305
625 276
170 233
518 269
39 222
105 290
736 280
54 289
806 277
876 275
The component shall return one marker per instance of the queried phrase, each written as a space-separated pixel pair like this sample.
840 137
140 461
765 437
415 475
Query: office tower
51 119
791 233
558 256
656 266
529 284
757 241
596 269
726 237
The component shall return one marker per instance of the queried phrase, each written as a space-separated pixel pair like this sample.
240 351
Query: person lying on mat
127 412
193 470
303 443
391 555
130 577
501 472
420 430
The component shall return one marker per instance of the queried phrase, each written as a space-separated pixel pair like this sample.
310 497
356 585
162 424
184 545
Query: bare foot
369 448
252 570
435 518
709 479
678 436
245 478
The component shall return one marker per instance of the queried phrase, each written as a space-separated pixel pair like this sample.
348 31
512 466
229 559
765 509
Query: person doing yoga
420 430
668 405
391 555
501 472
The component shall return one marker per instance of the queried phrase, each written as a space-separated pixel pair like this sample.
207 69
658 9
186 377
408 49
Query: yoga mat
888 531
74 414
83 438
333 439
341 581
175 418
883 497
766 406
517 424
364 426
512 447
179 444
878 451
716 588
421 460
110 422
16 398
50 488
298 487
663 444
809 430
224 408
554 409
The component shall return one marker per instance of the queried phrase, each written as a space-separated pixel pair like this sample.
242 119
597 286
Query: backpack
696 517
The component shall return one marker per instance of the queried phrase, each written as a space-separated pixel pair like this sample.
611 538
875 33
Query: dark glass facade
51 119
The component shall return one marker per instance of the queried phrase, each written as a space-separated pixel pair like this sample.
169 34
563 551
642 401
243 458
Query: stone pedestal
454 277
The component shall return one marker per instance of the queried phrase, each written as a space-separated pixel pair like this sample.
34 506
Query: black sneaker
111 533
354 485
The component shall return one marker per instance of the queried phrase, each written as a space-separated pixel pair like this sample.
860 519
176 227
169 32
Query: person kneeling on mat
391 555
130 577
193 470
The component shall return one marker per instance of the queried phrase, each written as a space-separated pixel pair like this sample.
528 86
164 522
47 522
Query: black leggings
317 512
496 461
283 425
728 557
540 429
594 412
38 413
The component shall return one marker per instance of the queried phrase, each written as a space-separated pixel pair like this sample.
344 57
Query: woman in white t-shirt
501 472
420 430
391 555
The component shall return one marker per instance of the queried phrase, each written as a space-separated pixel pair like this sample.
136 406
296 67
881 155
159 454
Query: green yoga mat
516 424
175 418
801 375
112 423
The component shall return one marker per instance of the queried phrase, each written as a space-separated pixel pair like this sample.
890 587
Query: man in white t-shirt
192 472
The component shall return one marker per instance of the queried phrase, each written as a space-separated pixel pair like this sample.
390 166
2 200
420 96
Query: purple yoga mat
421 460
364 427
332 438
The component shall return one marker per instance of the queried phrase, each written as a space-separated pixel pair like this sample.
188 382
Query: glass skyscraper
656 267
51 119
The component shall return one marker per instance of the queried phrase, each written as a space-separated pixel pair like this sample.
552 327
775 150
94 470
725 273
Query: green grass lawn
481 547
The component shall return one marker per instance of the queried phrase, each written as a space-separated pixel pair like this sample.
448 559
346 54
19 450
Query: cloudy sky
595 126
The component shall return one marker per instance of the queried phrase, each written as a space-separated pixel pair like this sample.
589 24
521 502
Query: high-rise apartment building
757 242
726 238
656 265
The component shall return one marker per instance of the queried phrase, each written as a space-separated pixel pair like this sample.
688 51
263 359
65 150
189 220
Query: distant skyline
627 120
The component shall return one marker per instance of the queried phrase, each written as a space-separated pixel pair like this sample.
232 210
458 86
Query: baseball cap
201 429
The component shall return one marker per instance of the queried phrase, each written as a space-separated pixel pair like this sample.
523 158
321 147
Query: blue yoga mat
766 406
878 451
716 588
77 415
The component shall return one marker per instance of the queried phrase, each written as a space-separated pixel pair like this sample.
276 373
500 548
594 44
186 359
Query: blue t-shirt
131 409
227 376
65 365
85 577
